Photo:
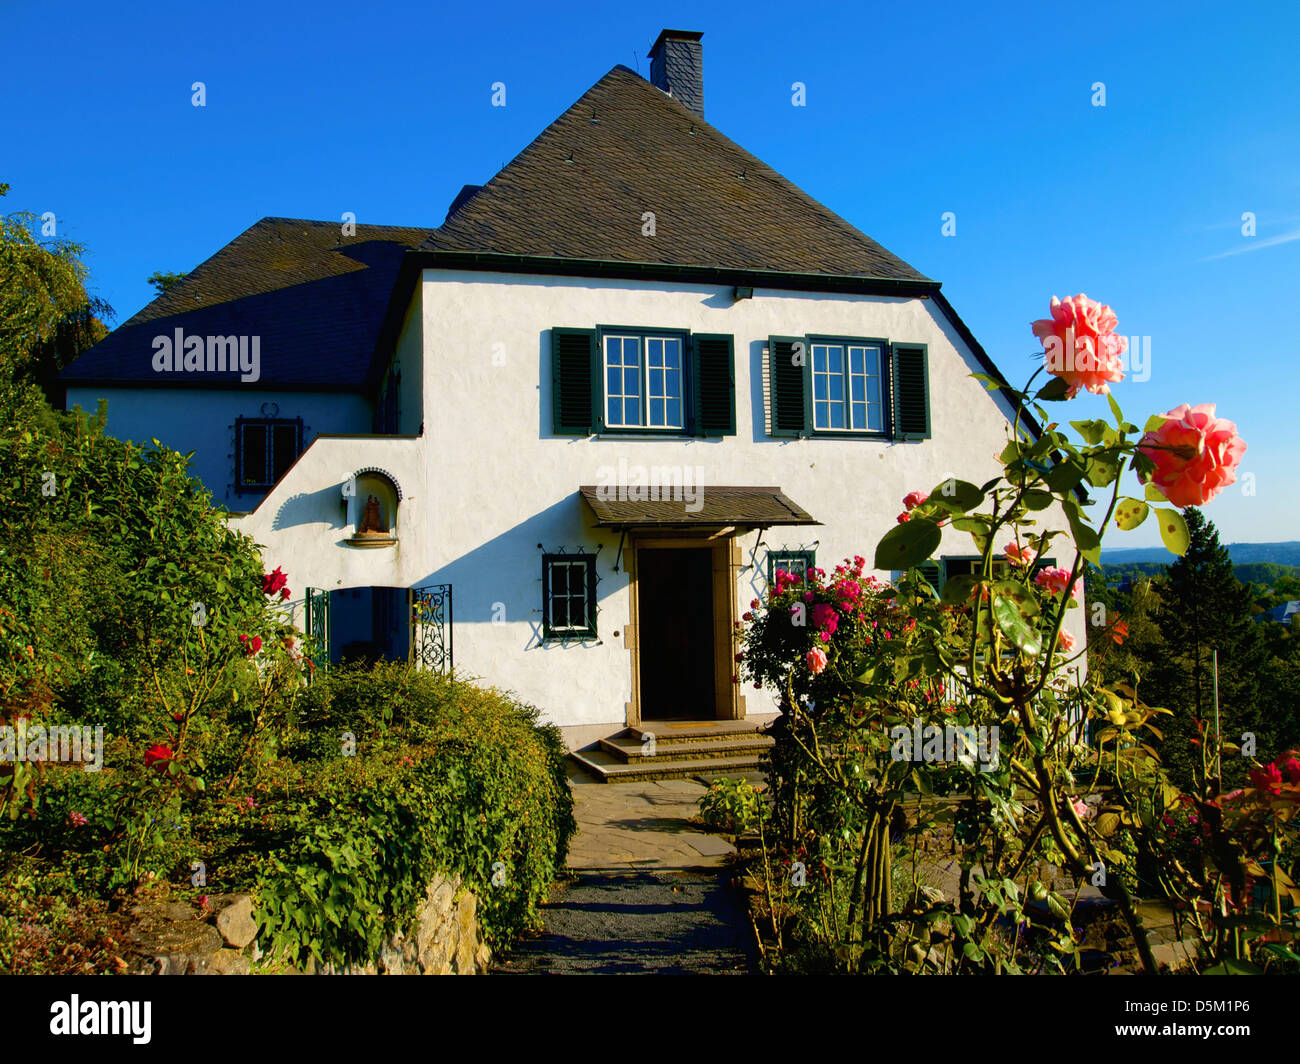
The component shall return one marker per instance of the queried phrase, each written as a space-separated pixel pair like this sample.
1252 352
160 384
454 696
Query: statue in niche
370 519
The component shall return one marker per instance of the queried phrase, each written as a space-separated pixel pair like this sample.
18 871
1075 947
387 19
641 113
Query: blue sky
912 111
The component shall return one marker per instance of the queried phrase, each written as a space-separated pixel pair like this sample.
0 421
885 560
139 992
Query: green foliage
731 806
165 279
1204 607
447 777
46 315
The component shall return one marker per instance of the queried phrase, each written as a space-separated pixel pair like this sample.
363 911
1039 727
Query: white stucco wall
487 483
203 421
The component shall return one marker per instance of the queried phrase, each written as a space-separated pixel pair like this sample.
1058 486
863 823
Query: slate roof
316 299
580 189
748 507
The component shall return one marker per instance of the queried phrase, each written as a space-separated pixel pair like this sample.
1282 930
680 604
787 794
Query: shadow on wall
500 581
313 507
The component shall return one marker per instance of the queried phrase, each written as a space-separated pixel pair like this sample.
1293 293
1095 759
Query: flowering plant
989 650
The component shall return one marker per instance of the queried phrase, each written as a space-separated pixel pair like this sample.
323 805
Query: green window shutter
911 388
790 398
575 378
714 372
933 572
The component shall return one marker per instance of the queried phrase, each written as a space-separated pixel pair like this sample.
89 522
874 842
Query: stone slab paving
647 891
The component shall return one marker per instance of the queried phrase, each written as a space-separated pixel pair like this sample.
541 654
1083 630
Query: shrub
731 806
446 777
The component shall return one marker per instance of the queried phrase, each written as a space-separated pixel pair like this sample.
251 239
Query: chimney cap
674 35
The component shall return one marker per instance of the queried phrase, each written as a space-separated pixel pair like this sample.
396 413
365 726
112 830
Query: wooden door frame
729 704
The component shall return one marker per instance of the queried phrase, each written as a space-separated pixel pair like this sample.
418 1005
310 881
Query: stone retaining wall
173 938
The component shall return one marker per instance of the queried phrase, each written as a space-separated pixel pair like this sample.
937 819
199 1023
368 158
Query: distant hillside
1287 553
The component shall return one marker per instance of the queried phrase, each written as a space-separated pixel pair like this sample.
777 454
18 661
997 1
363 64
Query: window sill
371 539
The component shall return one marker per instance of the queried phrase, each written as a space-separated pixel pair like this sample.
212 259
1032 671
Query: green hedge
444 776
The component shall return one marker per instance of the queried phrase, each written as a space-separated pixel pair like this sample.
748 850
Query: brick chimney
677 67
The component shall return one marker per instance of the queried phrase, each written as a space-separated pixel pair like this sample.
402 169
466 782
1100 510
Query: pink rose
816 660
824 616
1196 454
913 499
1078 804
1018 555
1081 346
1055 580
1065 640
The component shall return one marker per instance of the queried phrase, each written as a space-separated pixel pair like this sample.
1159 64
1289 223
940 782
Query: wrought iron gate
318 626
431 627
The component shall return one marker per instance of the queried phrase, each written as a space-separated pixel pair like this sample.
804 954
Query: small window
569 596
795 562
265 448
644 381
847 386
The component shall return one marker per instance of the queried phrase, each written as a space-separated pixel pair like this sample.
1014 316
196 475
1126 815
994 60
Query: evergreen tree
1204 609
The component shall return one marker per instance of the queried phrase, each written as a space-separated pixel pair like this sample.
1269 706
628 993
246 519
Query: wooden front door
676 633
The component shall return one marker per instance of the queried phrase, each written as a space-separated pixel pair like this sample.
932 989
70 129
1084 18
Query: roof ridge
487 185
735 210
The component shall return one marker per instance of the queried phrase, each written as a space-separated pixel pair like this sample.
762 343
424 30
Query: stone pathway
647 891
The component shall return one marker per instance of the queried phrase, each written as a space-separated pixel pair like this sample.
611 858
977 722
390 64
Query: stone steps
707 749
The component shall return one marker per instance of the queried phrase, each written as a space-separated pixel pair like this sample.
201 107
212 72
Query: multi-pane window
265 448
847 387
569 596
795 562
643 381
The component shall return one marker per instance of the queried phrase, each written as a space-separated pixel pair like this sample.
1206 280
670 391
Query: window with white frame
847 386
569 596
643 381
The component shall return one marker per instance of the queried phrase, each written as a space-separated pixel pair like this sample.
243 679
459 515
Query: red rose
1267 779
1291 767
272 582
158 756
284 593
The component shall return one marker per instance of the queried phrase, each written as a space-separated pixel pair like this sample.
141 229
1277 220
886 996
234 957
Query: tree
1204 608
47 317
163 280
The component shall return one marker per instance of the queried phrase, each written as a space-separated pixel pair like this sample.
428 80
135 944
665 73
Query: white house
564 438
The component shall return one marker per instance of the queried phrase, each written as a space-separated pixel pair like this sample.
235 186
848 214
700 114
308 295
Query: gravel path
665 922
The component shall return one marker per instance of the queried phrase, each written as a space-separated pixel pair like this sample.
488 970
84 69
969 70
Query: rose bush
855 661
